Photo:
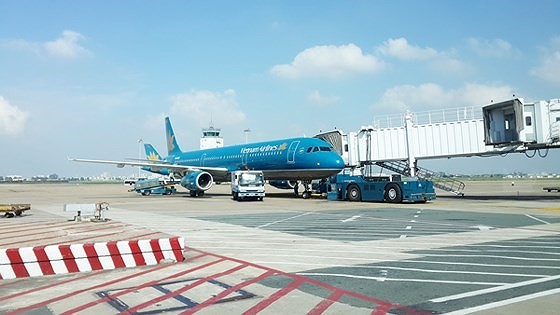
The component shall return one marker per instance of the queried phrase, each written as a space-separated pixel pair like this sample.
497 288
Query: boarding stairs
439 179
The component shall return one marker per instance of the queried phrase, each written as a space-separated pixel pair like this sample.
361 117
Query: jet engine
283 184
197 181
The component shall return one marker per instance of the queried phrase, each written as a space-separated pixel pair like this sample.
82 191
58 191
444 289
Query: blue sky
89 78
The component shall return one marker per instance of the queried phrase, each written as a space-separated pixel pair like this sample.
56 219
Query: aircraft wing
220 171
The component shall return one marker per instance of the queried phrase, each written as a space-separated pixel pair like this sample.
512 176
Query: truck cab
247 184
353 186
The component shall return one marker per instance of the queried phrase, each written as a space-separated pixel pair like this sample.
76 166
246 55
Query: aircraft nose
335 161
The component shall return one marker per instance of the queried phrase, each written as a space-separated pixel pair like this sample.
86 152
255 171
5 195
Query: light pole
140 143
246 131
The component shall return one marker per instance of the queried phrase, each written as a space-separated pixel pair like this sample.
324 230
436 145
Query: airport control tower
211 138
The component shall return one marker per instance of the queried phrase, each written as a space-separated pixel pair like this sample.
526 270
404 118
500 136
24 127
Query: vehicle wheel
146 193
201 193
353 193
192 193
306 195
235 195
393 193
18 212
261 198
167 192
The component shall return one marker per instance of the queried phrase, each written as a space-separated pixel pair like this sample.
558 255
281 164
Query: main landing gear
306 194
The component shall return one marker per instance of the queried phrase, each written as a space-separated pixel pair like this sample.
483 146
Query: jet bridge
397 142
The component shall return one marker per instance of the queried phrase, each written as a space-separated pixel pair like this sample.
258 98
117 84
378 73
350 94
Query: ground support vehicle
13 210
551 189
392 188
247 185
158 186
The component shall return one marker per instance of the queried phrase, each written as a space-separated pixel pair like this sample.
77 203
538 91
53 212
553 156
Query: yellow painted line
551 208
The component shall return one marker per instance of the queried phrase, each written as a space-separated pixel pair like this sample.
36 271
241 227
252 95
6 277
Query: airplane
283 162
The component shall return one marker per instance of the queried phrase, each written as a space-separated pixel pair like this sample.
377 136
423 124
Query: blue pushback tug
390 188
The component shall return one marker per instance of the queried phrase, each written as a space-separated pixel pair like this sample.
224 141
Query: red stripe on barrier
177 248
93 257
17 263
43 260
115 255
137 253
68 258
156 249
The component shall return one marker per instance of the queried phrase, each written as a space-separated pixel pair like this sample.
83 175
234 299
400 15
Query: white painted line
495 256
280 221
403 236
408 227
482 227
504 302
532 217
350 219
397 280
494 289
416 216
412 221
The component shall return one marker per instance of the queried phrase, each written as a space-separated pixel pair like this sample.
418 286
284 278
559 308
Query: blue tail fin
151 153
172 146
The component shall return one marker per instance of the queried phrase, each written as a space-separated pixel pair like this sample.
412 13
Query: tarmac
494 251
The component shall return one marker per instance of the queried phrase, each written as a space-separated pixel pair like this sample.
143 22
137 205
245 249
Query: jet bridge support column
411 159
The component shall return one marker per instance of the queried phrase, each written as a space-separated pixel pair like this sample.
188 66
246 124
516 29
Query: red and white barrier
60 259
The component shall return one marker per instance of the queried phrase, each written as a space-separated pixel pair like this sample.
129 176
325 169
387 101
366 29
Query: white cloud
65 47
329 61
439 61
431 96
400 48
316 98
201 107
491 48
12 119
549 67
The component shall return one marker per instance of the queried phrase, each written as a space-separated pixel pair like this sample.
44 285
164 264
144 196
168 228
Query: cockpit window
309 149
315 149
326 149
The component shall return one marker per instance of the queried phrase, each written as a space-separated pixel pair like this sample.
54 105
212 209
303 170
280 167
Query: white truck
247 185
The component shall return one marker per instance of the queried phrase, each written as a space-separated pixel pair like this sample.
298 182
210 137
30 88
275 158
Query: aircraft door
292 152
202 157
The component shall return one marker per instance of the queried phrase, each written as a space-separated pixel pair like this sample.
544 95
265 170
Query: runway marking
381 279
350 219
494 256
494 289
532 217
408 227
299 280
166 296
504 302
147 284
283 220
